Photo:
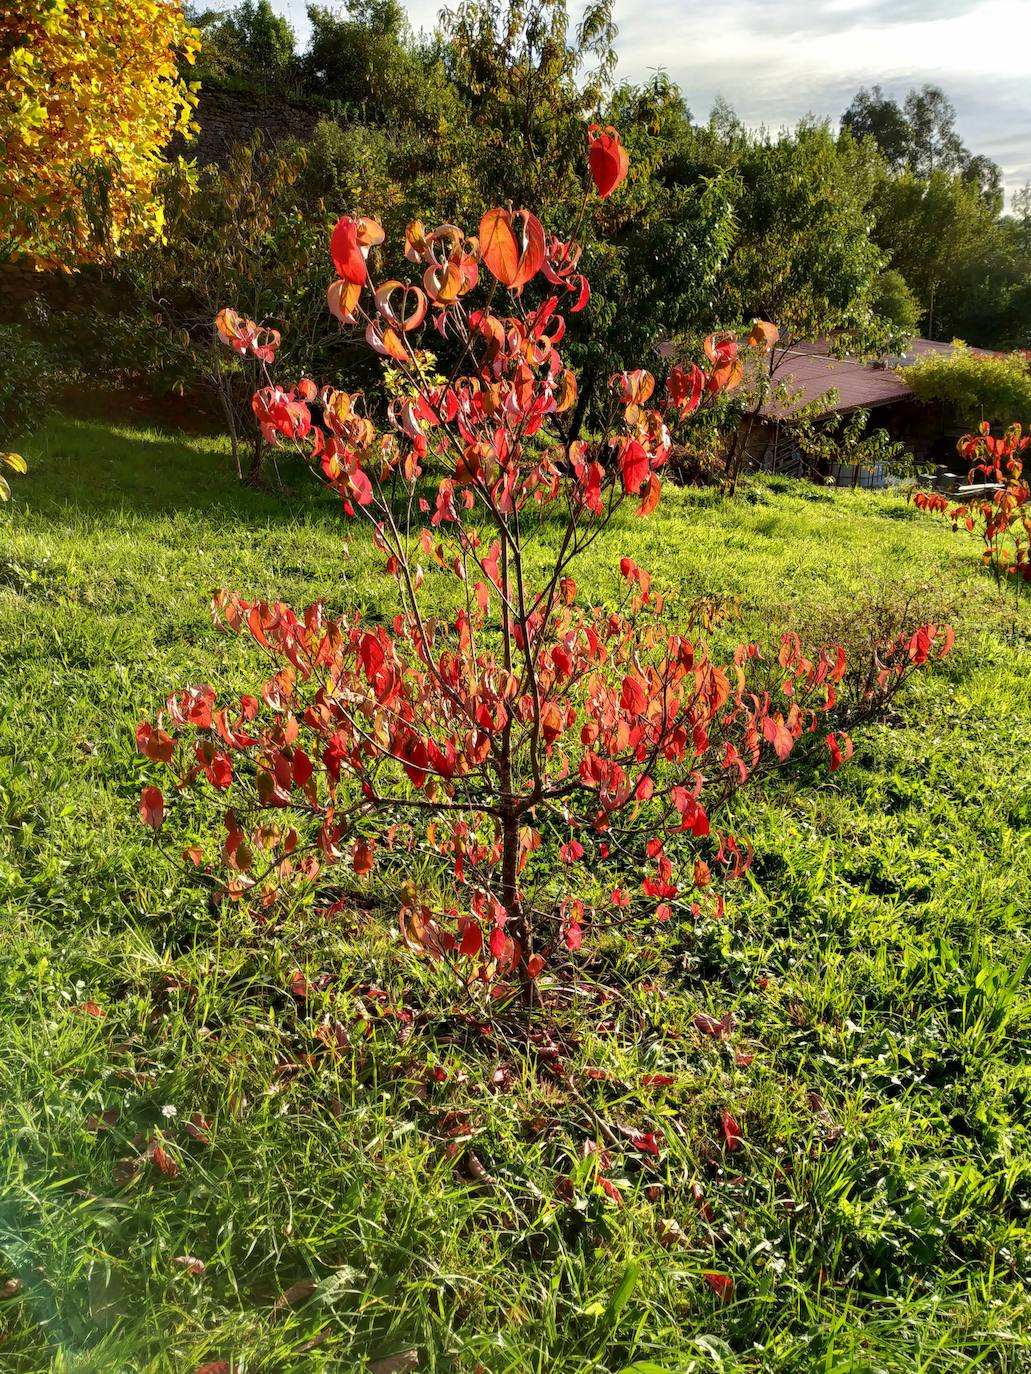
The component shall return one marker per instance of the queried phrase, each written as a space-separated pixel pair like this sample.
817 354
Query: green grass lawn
422 1188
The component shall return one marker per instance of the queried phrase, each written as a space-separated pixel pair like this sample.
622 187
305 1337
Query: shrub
1001 518
980 386
558 764
29 379
883 635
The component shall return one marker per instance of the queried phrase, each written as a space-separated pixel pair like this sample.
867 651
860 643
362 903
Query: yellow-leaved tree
90 95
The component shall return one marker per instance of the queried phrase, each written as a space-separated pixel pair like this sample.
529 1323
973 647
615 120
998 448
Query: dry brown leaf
400 1363
297 1293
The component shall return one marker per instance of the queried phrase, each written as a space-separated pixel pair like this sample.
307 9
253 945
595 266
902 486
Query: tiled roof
809 371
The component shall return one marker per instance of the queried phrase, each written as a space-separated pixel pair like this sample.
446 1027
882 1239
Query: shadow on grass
100 467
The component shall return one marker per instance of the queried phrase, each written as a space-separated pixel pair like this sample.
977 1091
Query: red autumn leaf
645 1141
363 860
608 159
732 1137
91 1009
763 336
163 1161
349 245
684 388
534 966
778 734
152 807
651 496
721 1284
708 1025
155 744
657 1080
611 1189
634 466
633 698
472 939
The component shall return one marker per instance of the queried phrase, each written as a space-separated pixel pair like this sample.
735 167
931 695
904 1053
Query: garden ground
358 1173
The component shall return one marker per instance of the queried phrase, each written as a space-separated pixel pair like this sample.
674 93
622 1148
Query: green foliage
977 386
244 235
846 440
803 257
370 65
947 243
892 301
29 380
876 1216
250 42
920 136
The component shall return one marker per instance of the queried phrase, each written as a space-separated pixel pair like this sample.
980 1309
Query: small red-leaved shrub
559 762
1001 518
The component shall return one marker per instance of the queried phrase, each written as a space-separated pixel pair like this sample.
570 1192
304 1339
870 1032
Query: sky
777 60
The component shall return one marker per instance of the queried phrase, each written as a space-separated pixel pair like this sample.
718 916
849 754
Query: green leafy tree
847 441
944 239
239 235
250 42
879 117
892 301
368 61
803 255
976 386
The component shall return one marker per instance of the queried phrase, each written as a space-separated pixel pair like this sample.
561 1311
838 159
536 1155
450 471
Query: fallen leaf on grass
721 1284
400 1363
671 1233
215 1367
163 1160
612 1191
91 1009
297 1293
476 1168
645 1141
708 1025
197 1128
731 1131
192 1264
819 1109
103 1122
698 1193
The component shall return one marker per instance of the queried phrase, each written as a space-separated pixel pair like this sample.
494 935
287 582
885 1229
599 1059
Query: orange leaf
763 336
498 246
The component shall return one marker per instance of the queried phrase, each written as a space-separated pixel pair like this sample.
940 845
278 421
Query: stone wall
230 117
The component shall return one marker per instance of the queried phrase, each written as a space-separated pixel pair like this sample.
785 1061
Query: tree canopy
90 95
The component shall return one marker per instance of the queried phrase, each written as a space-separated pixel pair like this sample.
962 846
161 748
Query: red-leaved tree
559 761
